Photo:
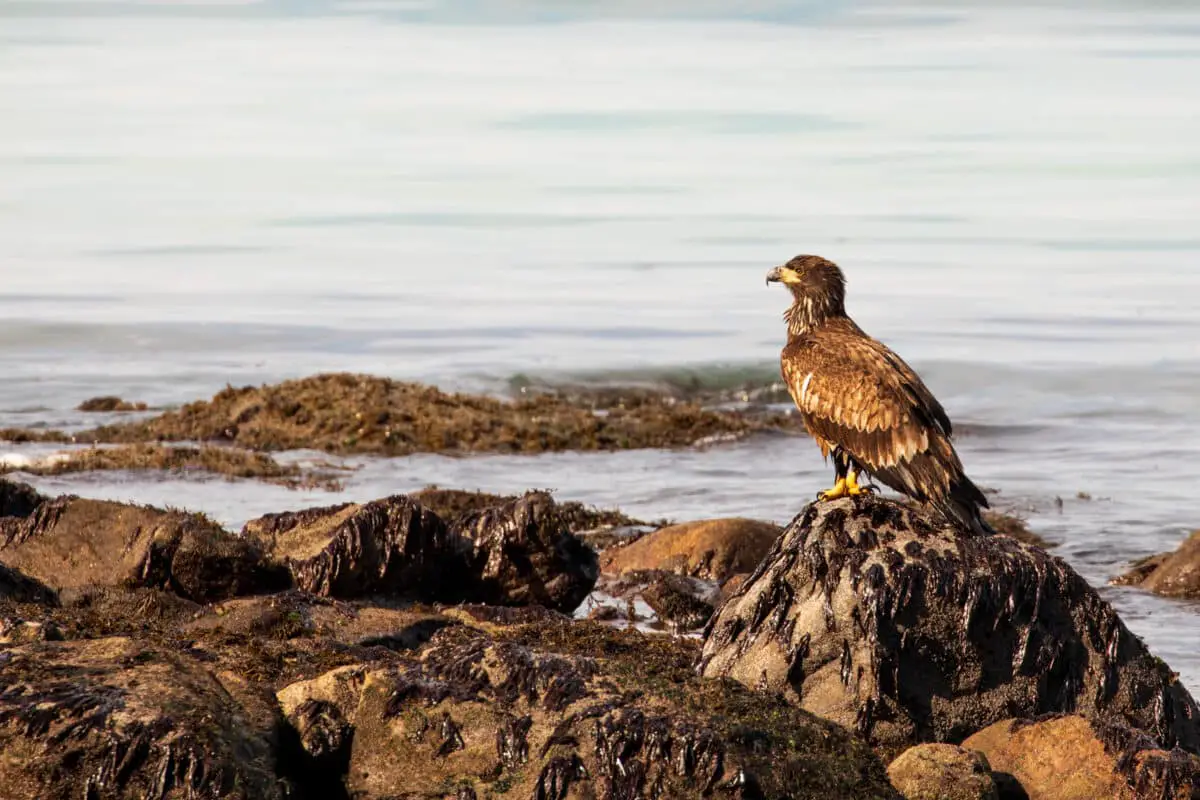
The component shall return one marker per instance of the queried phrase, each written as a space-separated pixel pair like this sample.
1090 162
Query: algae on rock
346 413
879 617
611 715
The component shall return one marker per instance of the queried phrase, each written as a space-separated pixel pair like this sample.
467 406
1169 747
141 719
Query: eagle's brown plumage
863 404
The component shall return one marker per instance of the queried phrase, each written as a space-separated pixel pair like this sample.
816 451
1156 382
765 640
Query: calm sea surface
200 194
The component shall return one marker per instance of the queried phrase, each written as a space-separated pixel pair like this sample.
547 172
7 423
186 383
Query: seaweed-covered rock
522 553
452 504
518 553
18 499
881 618
713 549
1067 757
111 718
530 715
1174 574
348 413
942 772
679 601
70 543
391 546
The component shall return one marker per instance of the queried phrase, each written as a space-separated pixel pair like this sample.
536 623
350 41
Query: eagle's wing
854 392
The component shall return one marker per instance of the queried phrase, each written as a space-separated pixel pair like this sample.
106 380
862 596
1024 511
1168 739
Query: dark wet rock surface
517 553
523 554
1174 574
1068 757
872 615
679 601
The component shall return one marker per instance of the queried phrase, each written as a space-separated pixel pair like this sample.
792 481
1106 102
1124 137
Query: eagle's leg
852 486
841 470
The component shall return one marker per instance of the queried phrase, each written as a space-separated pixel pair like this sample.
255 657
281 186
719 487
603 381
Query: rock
563 709
23 589
1007 524
1174 574
878 617
390 546
70 543
109 403
1067 757
296 615
348 413
683 603
451 504
712 549
270 639
517 553
523 554
675 599
110 718
730 587
18 499
942 772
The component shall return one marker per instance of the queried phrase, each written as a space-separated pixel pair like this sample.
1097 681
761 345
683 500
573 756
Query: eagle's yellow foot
839 490
852 487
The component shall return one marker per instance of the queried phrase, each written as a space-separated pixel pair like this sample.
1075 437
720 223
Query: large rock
522 553
878 617
71 543
1174 574
713 549
942 772
1067 757
518 553
532 714
391 546
111 718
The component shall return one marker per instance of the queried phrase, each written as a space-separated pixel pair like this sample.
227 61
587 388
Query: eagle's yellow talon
852 487
839 490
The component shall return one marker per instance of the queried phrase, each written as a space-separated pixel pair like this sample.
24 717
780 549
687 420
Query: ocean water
195 194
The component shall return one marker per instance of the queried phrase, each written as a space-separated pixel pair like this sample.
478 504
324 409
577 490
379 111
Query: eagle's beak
775 275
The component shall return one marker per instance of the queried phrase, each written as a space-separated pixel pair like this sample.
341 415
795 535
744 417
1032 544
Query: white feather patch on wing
804 387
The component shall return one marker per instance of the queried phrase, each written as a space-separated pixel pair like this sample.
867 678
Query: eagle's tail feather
964 505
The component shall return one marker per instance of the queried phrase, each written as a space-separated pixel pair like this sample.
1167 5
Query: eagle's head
818 287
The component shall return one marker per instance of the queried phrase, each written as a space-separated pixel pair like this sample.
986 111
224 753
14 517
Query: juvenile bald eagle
864 405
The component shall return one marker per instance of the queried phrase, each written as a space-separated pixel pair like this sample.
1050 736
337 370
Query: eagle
863 405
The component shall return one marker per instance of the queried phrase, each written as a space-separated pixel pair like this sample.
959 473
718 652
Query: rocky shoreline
432 646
